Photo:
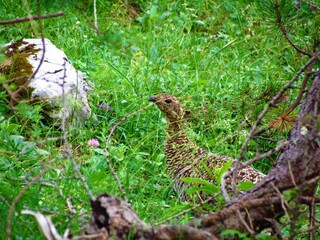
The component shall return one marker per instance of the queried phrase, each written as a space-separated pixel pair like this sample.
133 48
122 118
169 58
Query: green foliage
207 187
220 171
215 56
234 233
275 9
238 235
299 18
245 186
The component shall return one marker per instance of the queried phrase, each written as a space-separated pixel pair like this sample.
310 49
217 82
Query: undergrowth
218 57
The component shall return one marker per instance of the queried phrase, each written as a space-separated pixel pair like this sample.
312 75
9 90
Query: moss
17 69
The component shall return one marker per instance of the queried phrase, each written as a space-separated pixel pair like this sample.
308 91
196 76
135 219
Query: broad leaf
244 186
223 170
206 189
195 180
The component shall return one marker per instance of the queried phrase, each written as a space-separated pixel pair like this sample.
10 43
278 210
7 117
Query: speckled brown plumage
184 157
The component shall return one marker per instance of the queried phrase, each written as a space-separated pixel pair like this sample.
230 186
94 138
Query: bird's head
169 105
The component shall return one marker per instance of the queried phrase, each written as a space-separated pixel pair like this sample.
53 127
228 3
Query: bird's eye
168 101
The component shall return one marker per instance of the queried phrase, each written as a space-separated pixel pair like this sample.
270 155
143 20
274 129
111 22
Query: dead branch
186 211
272 103
30 18
87 18
22 192
301 91
260 117
68 152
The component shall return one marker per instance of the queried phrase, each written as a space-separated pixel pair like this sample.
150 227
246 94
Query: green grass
218 57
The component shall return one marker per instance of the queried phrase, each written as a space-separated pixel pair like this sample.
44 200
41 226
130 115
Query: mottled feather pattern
184 157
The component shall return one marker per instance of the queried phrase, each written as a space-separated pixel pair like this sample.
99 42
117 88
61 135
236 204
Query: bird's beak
152 99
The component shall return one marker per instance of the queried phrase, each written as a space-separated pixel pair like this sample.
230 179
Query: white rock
57 80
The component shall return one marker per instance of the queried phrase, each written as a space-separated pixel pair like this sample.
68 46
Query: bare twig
256 158
112 129
284 204
237 165
264 155
21 193
265 139
301 91
241 165
309 200
88 19
185 211
275 227
223 187
312 220
30 18
249 229
71 208
68 152
95 14
260 131
271 103
291 174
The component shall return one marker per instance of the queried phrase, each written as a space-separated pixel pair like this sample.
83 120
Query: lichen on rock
17 70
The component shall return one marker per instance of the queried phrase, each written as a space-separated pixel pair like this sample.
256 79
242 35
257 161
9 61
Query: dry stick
260 131
66 142
88 19
275 228
245 224
245 164
95 14
312 220
260 156
223 187
283 201
266 139
260 117
249 217
185 211
264 155
30 18
272 102
301 92
112 129
309 200
21 193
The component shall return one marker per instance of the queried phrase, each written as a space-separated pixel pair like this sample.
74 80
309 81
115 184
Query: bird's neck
176 128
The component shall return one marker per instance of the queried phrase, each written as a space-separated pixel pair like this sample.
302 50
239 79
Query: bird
184 158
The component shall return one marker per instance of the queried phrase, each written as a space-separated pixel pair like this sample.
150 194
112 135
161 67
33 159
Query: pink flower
93 142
